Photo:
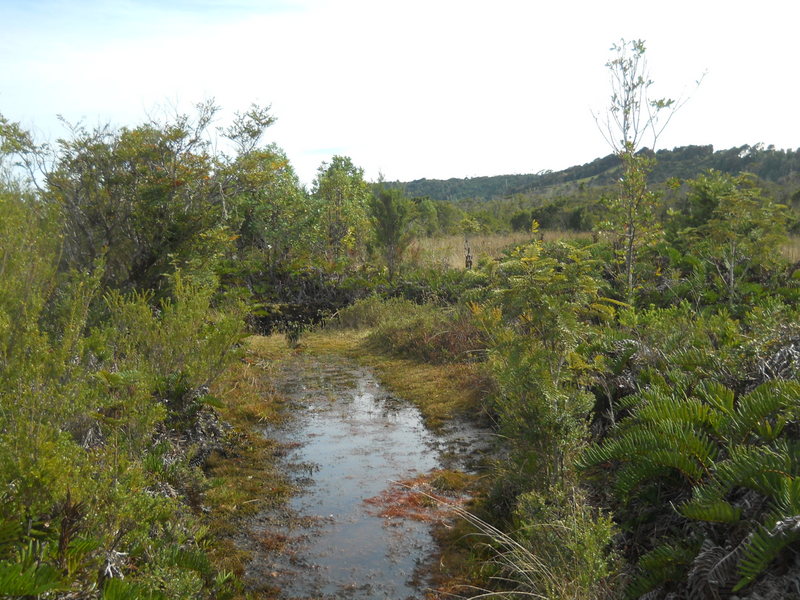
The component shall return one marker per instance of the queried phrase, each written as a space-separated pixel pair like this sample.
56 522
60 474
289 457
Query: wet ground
348 443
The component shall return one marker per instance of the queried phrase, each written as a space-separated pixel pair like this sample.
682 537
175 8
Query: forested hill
685 162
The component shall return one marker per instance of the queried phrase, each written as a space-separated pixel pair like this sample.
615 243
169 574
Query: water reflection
355 439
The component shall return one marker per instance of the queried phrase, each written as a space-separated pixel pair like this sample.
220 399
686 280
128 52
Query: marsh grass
449 250
247 478
509 566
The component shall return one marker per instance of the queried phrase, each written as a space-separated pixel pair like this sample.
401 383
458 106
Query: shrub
430 334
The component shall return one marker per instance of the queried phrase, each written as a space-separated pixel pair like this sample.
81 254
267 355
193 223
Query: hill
768 163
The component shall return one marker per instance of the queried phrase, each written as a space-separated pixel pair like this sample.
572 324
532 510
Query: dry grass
791 249
424 498
449 250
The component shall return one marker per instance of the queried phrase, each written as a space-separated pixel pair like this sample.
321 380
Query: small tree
342 194
744 230
392 214
633 120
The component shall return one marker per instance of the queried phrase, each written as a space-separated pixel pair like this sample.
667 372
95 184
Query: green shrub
80 501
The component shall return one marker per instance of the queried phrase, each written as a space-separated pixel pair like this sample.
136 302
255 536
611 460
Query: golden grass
791 249
439 391
449 250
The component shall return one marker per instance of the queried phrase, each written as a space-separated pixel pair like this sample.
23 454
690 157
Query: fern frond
190 559
10 536
764 546
757 468
650 449
693 359
17 579
632 475
787 498
119 589
690 411
718 511
713 571
724 573
775 400
699 586
663 564
718 396
78 552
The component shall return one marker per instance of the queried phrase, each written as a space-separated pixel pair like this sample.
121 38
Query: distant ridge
684 162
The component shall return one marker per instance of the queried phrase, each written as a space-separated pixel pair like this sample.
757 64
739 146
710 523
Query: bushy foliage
80 501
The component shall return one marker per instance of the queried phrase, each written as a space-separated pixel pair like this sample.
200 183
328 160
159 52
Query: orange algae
416 499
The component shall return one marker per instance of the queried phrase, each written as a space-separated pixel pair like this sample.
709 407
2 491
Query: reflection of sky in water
359 439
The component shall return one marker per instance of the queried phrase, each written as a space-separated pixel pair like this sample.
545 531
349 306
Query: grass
449 250
246 479
791 249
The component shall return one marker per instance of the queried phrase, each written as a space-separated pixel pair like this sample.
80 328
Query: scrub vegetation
635 345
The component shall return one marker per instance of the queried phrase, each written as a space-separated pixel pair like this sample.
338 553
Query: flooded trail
347 441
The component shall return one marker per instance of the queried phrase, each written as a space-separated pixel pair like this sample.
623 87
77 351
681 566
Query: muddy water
348 441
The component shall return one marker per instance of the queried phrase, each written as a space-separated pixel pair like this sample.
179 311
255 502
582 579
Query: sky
408 89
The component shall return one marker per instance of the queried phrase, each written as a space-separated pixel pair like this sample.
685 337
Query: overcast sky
408 88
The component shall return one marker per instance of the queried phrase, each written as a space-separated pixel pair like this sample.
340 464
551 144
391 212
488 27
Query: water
349 441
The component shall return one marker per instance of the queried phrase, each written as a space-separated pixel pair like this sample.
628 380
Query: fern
715 511
691 411
787 498
764 546
665 563
10 535
758 468
632 475
650 447
18 579
119 589
720 444
713 570
78 553
190 559
717 396
775 400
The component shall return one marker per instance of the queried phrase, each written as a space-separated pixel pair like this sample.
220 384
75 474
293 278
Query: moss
446 480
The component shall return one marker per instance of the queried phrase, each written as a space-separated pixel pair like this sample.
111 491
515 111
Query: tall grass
791 249
449 250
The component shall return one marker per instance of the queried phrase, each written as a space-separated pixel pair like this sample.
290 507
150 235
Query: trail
349 533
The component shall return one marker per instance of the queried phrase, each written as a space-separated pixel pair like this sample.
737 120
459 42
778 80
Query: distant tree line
768 163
